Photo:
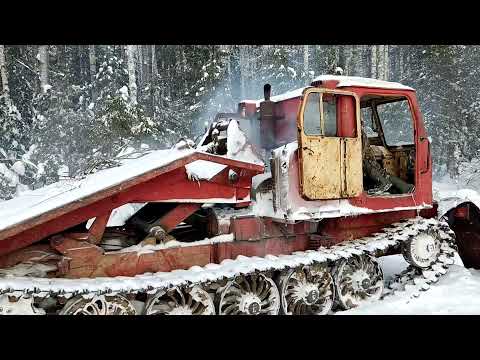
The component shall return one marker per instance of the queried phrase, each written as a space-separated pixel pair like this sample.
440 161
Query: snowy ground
456 293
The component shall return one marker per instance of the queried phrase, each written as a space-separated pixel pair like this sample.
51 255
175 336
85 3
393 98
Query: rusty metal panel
320 168
248 228
353 167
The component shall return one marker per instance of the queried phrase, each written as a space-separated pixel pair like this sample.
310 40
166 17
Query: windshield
397 122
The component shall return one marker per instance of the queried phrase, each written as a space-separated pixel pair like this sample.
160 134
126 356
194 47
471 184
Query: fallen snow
456 293
143 249
120 215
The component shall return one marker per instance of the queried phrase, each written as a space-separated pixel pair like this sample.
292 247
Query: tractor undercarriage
232 273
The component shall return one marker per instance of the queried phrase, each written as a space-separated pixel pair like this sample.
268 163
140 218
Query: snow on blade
54 196
203 170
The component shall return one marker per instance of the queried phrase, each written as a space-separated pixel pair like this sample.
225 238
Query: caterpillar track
308 282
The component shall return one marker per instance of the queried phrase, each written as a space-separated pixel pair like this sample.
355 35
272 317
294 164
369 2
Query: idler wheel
422 250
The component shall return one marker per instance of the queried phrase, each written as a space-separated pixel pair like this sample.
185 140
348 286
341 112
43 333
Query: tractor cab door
330 145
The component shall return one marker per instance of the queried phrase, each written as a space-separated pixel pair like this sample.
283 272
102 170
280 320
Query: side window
397 122
311 115
366 113
330 114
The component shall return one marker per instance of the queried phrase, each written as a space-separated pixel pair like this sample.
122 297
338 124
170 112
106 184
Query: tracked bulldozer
283 207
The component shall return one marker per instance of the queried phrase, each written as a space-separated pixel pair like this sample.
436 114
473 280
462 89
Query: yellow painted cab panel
320 168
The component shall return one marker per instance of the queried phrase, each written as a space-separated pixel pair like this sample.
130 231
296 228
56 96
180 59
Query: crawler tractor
281 208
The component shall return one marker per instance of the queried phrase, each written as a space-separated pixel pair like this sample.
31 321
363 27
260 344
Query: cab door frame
329 167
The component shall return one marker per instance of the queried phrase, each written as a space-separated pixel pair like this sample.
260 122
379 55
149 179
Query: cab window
397 122
311 115
329 103
330 115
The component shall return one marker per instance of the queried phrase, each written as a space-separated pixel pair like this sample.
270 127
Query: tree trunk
93 68
341 58
347 54
368 61
243 70
4 76
84 68
43 60
145 65
376 62
235 78
452 160
184 67
139 60
153 81
352 61
132 80
393 68
305 59
386 62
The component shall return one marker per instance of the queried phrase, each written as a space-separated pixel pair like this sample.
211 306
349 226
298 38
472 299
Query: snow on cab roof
288 95
344 81
34 203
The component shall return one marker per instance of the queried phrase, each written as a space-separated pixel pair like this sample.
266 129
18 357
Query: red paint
462 212
98 227
349 228
286 120
346 119
177 215
89 260
166 183
465 222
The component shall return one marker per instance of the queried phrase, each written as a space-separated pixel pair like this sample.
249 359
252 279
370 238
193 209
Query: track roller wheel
254 294
180 301
357 279
98 305
307 290
422 250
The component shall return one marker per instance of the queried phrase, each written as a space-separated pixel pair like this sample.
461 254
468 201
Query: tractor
283 207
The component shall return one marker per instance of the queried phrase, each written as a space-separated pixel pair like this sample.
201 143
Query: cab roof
343 81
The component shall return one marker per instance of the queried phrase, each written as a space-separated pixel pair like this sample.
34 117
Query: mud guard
464 220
